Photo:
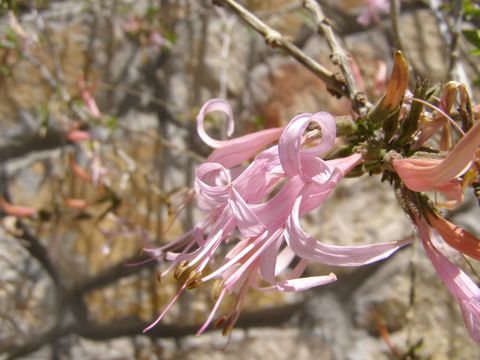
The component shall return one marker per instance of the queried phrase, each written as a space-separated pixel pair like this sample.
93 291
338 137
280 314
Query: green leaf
112 123
470 9
473 37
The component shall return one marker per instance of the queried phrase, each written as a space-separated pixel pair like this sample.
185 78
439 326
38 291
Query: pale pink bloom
372 12
270 233
157 40
457 282
436 174
78 135
26 38
97 169
88 99
132 24
17 211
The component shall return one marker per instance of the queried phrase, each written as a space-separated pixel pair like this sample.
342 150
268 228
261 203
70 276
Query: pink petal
210 106
247 222
457 282
212 186
254 183
308 248
274 212
295 283
471 315
430 174
289 147
233 152
243 269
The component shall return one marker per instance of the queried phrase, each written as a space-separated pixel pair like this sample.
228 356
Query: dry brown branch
338 56
276 40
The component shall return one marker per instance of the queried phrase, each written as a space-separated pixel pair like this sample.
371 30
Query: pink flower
88 99
270 232
372 11
458 283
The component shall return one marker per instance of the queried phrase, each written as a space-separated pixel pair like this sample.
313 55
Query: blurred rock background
74 283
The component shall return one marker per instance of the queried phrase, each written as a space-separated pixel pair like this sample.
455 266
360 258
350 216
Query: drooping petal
310 249
455 236
457 282
471 315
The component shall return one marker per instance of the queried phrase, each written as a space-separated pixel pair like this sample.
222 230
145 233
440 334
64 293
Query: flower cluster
258 207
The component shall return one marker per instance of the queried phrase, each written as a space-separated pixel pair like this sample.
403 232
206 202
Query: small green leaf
473 36
112 122
470 9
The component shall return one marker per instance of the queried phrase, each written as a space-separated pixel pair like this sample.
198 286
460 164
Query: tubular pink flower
456 281
373 10
432 174
269 235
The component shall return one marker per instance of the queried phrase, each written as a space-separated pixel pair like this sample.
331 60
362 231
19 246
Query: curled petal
317 191
212 185
260 176
310 249
275 211
289 148
210 106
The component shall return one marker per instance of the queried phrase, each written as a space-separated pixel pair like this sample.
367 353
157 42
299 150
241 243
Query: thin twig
338 57
395 28
450 35
276 40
